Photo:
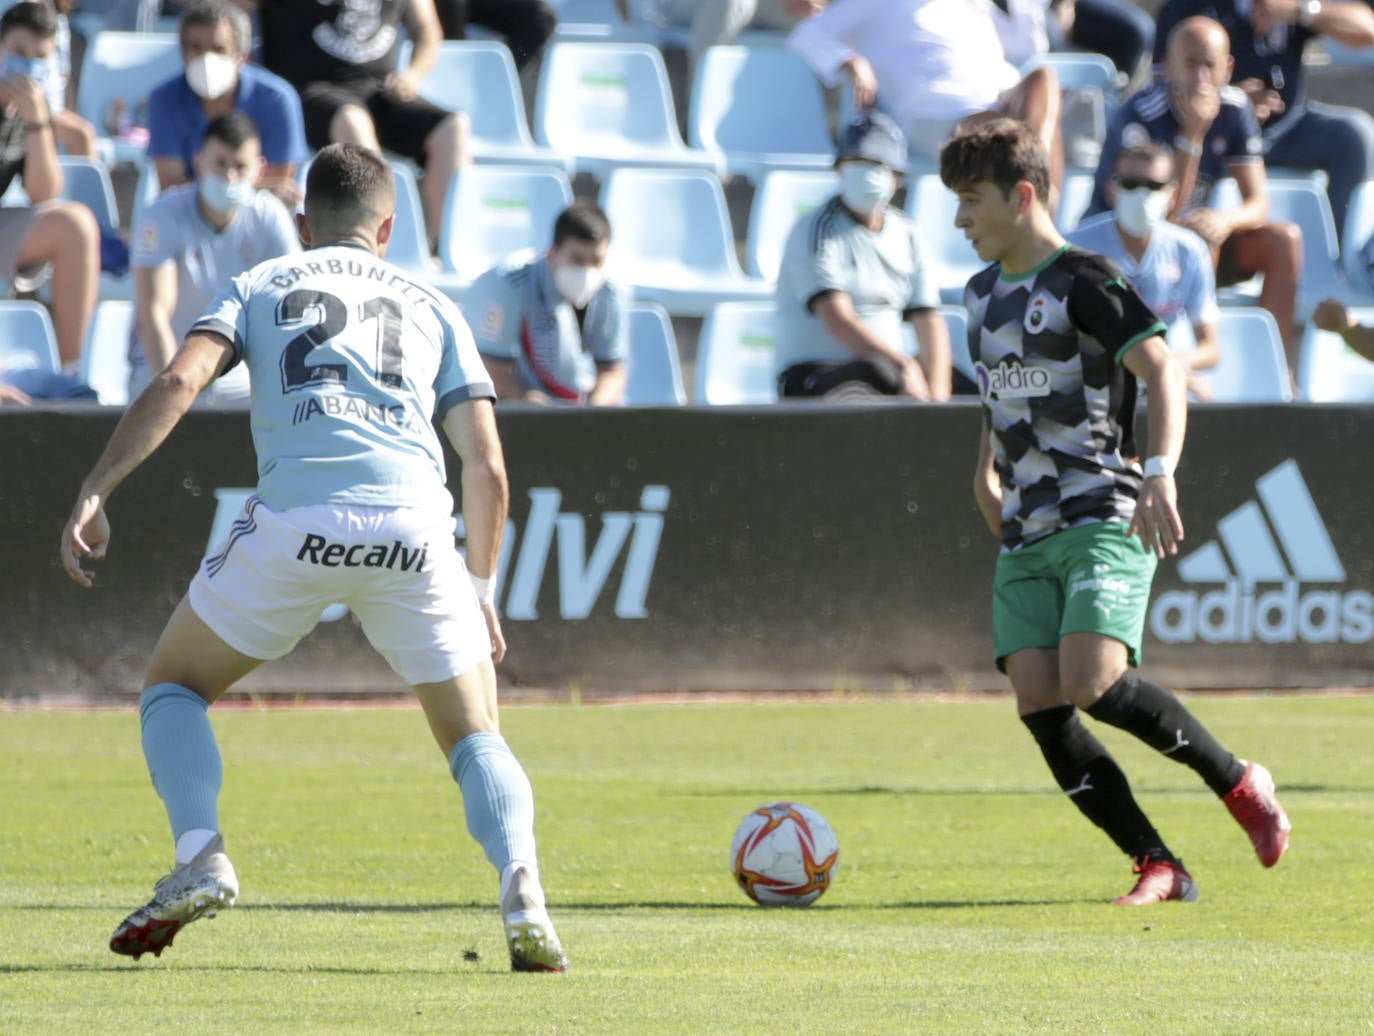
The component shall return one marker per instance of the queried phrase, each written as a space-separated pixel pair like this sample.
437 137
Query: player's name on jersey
338 405
319 551
361 266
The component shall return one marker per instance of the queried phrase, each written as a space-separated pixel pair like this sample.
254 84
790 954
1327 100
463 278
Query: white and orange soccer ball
784 854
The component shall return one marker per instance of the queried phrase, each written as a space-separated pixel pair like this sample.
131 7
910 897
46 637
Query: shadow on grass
880 789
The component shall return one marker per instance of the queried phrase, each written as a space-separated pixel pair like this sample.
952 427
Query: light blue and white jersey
1174 276
350 360
517 314
884 272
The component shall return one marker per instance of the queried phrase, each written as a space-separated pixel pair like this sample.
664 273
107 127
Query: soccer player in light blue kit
350 359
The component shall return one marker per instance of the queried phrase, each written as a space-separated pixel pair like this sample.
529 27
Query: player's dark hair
210 13
581 221
37 18
233 128
999 151
1150 151
348 186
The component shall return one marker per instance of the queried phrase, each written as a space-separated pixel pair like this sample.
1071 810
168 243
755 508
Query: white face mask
1139 210
577 284
212 75
866 187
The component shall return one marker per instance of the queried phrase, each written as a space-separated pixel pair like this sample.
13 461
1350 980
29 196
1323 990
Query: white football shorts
399 570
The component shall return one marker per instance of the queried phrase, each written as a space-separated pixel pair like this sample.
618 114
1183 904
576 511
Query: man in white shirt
929 64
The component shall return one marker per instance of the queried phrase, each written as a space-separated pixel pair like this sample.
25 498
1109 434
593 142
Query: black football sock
1093 781
1160 720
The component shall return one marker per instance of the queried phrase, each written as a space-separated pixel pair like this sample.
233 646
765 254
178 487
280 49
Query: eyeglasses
1134 183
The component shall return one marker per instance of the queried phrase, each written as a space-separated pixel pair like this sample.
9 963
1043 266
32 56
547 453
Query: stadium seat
1074 198
1329 371
1303 202
125 66
105 359
653 372
88 181
952 258
494 211
606 105
27 340
735 355
479 79
1089 85
672 241
759 109
593 20
956 320
1357 255
1252 368
782 197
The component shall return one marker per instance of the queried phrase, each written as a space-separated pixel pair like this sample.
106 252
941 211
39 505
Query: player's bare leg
499 806
191 667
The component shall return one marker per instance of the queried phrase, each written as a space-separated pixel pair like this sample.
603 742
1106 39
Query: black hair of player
345 179
39 19
581 221
1004 152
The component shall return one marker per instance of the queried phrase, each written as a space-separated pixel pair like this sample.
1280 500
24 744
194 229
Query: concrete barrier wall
700 549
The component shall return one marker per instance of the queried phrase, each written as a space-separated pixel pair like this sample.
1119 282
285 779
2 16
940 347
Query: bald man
1214 133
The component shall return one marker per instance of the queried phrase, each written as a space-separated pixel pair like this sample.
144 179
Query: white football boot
533 943
200 888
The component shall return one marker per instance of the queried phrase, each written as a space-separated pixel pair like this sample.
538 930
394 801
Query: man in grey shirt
852 271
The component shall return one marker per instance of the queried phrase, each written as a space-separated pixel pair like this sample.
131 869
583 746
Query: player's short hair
210 13
581 221
348 186
1000 151
37 18
233 129
1150 151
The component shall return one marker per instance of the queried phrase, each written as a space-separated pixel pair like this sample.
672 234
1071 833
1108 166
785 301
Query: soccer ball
784 854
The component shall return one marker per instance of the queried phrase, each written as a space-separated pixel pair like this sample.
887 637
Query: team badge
492 319
147 237
1037 315
1133 134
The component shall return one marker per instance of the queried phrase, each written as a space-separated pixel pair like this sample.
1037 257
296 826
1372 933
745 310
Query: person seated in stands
216 40
344 60
852 270
49 233
196 237
1212 129
525 25
1169 266
553 329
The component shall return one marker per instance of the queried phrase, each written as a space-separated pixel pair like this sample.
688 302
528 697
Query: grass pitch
971 897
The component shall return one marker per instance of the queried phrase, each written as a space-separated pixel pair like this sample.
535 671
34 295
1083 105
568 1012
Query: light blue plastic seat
653 372
27 339
735 355
105 358
782 198
953 260
1074 197
608 105
1089 86
956 320
1329 371
672 242
127 66
1252 368
494 211
759 109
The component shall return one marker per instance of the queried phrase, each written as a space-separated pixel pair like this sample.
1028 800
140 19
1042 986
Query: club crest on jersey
1011 381
1037 315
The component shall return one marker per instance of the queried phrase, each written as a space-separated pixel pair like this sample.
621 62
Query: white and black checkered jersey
1047 348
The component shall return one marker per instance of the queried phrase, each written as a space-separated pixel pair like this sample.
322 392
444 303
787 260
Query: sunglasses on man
1134 183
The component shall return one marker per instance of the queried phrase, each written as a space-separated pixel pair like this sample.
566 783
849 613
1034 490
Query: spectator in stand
48 232
194 239
852 271
554 329
1267 41
1169 266
216 40
343 57
525 25
930 64
1214 133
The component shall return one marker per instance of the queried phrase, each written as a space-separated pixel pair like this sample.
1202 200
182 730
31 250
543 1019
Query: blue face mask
224 197
35 68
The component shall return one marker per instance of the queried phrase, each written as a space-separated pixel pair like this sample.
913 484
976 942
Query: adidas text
1242 615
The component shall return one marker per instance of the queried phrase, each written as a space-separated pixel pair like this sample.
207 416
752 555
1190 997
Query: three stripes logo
1276 575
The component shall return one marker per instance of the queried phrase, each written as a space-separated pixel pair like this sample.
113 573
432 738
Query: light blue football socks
497 799
183 758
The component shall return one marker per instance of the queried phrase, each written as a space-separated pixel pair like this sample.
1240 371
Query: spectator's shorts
853 380
15 224
402 126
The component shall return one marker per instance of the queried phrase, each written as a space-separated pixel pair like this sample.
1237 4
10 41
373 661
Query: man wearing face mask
194 239
553 329
1169 266
852 270
216 39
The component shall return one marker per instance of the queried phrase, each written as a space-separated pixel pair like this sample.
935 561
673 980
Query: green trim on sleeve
1157 328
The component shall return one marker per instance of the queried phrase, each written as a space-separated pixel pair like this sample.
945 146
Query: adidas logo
1266 553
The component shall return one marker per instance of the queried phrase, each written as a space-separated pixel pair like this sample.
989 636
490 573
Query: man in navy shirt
1267 40
216 38
1214 133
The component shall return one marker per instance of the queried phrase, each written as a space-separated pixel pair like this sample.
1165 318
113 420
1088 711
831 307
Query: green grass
971 897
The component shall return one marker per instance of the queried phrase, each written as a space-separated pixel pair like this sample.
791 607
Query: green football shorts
1089 579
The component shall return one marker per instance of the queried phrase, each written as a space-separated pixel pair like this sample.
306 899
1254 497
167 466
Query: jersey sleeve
609 340
157 238
1104 306
812 264
492 310
462 376
227 315
162 129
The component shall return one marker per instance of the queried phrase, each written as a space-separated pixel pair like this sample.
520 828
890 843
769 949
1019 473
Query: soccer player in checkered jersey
1058 340
349 360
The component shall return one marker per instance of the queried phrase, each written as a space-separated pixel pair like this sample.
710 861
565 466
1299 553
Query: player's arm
932 334
609 389
1157 520
471 427
842 322
147 422
155 299
987 486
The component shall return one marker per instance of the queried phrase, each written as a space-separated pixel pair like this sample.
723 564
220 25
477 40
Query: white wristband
486 588
1159 467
